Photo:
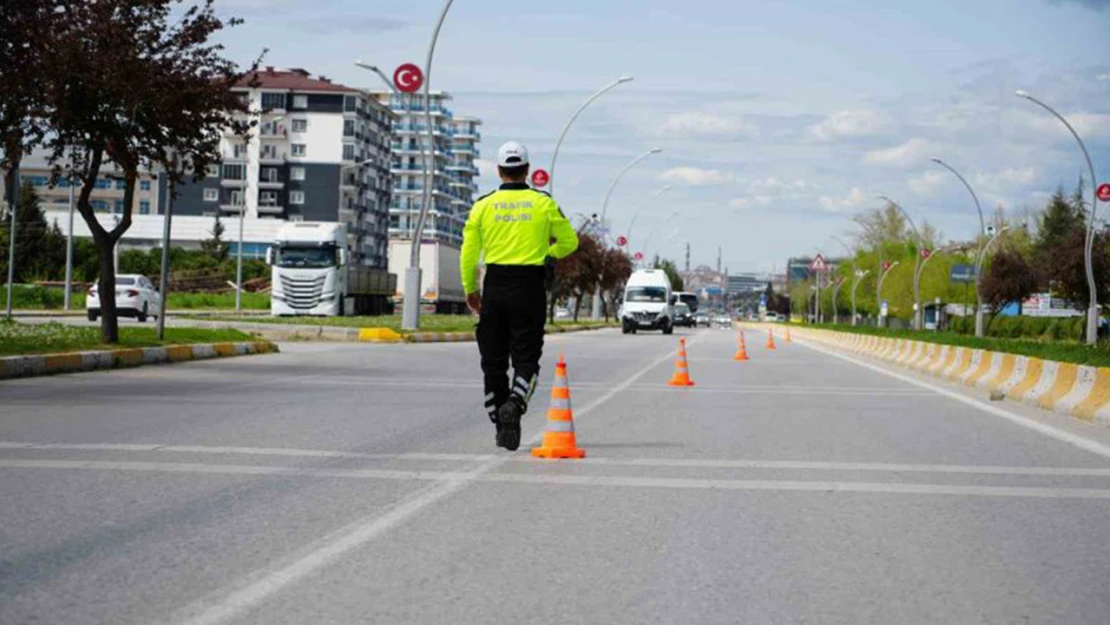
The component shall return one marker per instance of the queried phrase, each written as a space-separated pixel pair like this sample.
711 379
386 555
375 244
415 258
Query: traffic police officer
520 230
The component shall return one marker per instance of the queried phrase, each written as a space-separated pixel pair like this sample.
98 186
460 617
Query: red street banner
926 253
638 256
622 241
540 178
408 78
886 265
1104 192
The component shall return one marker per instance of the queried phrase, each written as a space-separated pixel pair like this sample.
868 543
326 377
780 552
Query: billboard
962 273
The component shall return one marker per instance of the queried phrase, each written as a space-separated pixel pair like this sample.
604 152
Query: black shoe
508 424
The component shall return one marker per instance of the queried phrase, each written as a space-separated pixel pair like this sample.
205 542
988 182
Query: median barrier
1078 391
49 364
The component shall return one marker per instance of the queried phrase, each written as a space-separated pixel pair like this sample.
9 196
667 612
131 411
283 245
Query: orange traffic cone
681 375
558 439
771 339
788 335
742 350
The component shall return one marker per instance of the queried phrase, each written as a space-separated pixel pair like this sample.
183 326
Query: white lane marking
1075 440
260 589
658 463
257 586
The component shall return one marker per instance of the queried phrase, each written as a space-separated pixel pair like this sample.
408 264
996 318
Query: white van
647 302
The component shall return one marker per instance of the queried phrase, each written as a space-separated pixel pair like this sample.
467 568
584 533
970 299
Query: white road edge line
1075 440
259 585
450 477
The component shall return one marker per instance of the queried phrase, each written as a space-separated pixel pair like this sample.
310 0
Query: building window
118 206
298 149
300 125
271 101
350 103
99 206
211 195
144 207
245 98
267 198
348 128
296 173
237 150
296 197
348 152
269 174
144 185
233 172
300 101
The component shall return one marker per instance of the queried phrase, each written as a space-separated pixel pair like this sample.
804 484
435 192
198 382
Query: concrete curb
1077 391
49 364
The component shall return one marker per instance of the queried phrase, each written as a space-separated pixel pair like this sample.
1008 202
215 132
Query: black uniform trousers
511 327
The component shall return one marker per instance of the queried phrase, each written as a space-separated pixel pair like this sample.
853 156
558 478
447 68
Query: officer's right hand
474 301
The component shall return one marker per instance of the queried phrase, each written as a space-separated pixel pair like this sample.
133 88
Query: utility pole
687 257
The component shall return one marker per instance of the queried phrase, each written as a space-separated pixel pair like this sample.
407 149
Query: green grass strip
18 339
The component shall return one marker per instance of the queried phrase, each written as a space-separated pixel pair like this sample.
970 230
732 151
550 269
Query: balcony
231 183
231 208
271 209
273 158
271 184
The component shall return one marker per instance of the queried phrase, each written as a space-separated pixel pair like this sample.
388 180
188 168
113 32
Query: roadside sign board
638 256
962 273
540 178
408 78
884 309
622 241
1104 192
818 265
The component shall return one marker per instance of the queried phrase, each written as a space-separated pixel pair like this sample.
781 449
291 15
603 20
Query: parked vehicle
562 313
311 274
441 289
647 302
682 316
136 297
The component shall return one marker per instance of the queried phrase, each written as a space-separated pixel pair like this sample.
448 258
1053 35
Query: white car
135 297
562 313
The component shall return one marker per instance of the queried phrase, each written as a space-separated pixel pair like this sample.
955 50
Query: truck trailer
441 289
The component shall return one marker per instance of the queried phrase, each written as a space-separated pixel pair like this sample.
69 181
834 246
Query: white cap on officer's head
512 154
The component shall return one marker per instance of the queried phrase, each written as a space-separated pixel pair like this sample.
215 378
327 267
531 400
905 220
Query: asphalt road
346 483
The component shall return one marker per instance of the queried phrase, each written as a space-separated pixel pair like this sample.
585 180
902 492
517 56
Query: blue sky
778 120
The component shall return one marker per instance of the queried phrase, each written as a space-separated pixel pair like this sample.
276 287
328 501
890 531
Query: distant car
701 318
723 320
771 317
682 315
135 297
562 313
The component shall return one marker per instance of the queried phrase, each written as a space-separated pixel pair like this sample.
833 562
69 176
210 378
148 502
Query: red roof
291 80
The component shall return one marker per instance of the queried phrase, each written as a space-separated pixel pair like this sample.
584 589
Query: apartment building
320 152
455 149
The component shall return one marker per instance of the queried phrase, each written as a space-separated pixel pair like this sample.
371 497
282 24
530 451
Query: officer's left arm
566 239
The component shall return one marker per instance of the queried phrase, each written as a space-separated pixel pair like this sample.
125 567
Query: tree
137 84
216 247
616 270
881 226
576 275
1059 222
1008 279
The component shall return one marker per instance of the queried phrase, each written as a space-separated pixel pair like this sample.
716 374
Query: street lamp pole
836 291
410 311
1093 309
376 70
566 127
917 312
628 233
69 249
596 313
879 293
860 275
979 254
164 275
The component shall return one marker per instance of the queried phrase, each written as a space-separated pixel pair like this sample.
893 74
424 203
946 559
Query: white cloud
775 185
701 124
485 166
909 153
1088 125
1017 176
856 199
740 203
857 123
697 177
929 183
1104 76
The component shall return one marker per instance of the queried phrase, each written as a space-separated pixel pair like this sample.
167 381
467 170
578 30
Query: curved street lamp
566 127
836 290
1093 309
410 310
860 275
917 317
628 233
879 292
979 253
596 313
